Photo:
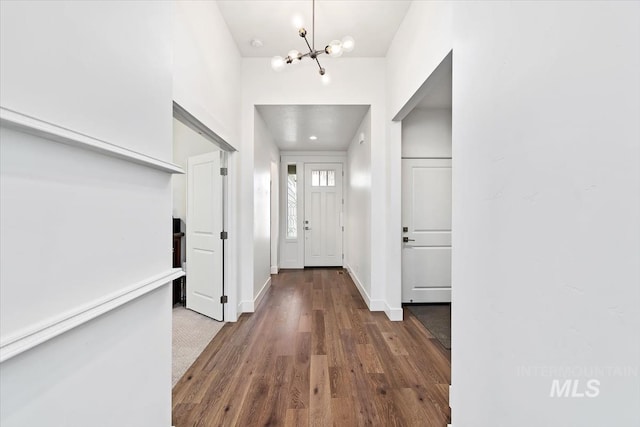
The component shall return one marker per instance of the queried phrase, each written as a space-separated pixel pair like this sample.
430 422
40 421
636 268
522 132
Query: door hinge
343 257
223 171
343 201
343 228
223 235
223 299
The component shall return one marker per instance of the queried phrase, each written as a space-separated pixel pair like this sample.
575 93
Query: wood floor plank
318 336
394 344
319 392
343 413
312 354
297 418
299 388
368 357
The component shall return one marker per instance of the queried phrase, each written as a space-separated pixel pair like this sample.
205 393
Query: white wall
358 213
358 81
84 302
546 196
423 39
206 82
265 152
206 67
427 133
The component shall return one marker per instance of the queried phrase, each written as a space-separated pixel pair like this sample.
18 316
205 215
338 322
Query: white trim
373 304
377 305
245 306
394 314
274 269
32 336
258 299
52 132
363 292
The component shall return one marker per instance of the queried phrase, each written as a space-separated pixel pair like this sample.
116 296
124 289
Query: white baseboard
32 336
245 306
274 269
258 299
250 306
363 292
373 304
394 314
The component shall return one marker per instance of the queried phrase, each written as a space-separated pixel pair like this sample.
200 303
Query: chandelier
334 49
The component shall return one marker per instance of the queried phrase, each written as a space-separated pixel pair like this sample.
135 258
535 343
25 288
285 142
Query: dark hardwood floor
313 354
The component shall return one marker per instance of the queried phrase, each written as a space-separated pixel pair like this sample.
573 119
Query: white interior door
426 221
204 224
323 214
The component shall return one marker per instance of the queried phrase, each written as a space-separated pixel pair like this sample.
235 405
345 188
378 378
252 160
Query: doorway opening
426 204
315 143
200 200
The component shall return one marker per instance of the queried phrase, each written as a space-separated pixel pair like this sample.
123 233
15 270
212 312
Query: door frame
341 204
229 161
291 251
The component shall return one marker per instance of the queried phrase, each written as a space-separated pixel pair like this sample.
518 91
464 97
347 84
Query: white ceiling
292 125
372 24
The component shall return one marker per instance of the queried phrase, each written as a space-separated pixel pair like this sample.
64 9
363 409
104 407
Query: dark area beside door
177 257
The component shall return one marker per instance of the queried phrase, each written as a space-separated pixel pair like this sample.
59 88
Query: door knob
406 240
307 228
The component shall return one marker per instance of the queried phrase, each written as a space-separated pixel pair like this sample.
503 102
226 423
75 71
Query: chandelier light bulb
326 79
294 55
348 43
277 63
297 21
334 49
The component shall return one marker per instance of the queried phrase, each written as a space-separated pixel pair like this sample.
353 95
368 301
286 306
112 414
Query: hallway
313 354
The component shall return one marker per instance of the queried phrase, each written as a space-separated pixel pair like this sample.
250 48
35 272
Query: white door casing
204 245
426 214
323 207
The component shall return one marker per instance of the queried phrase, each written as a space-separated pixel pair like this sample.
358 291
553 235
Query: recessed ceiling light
313 137
256 42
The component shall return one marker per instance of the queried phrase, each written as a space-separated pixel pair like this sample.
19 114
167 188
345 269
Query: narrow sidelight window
292 195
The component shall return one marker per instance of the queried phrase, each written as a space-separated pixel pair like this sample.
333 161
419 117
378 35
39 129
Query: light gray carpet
191 334
436 318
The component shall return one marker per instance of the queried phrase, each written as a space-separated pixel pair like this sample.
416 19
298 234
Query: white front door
323 214
204 224
426 222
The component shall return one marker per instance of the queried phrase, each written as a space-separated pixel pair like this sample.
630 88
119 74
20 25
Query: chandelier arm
307 42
